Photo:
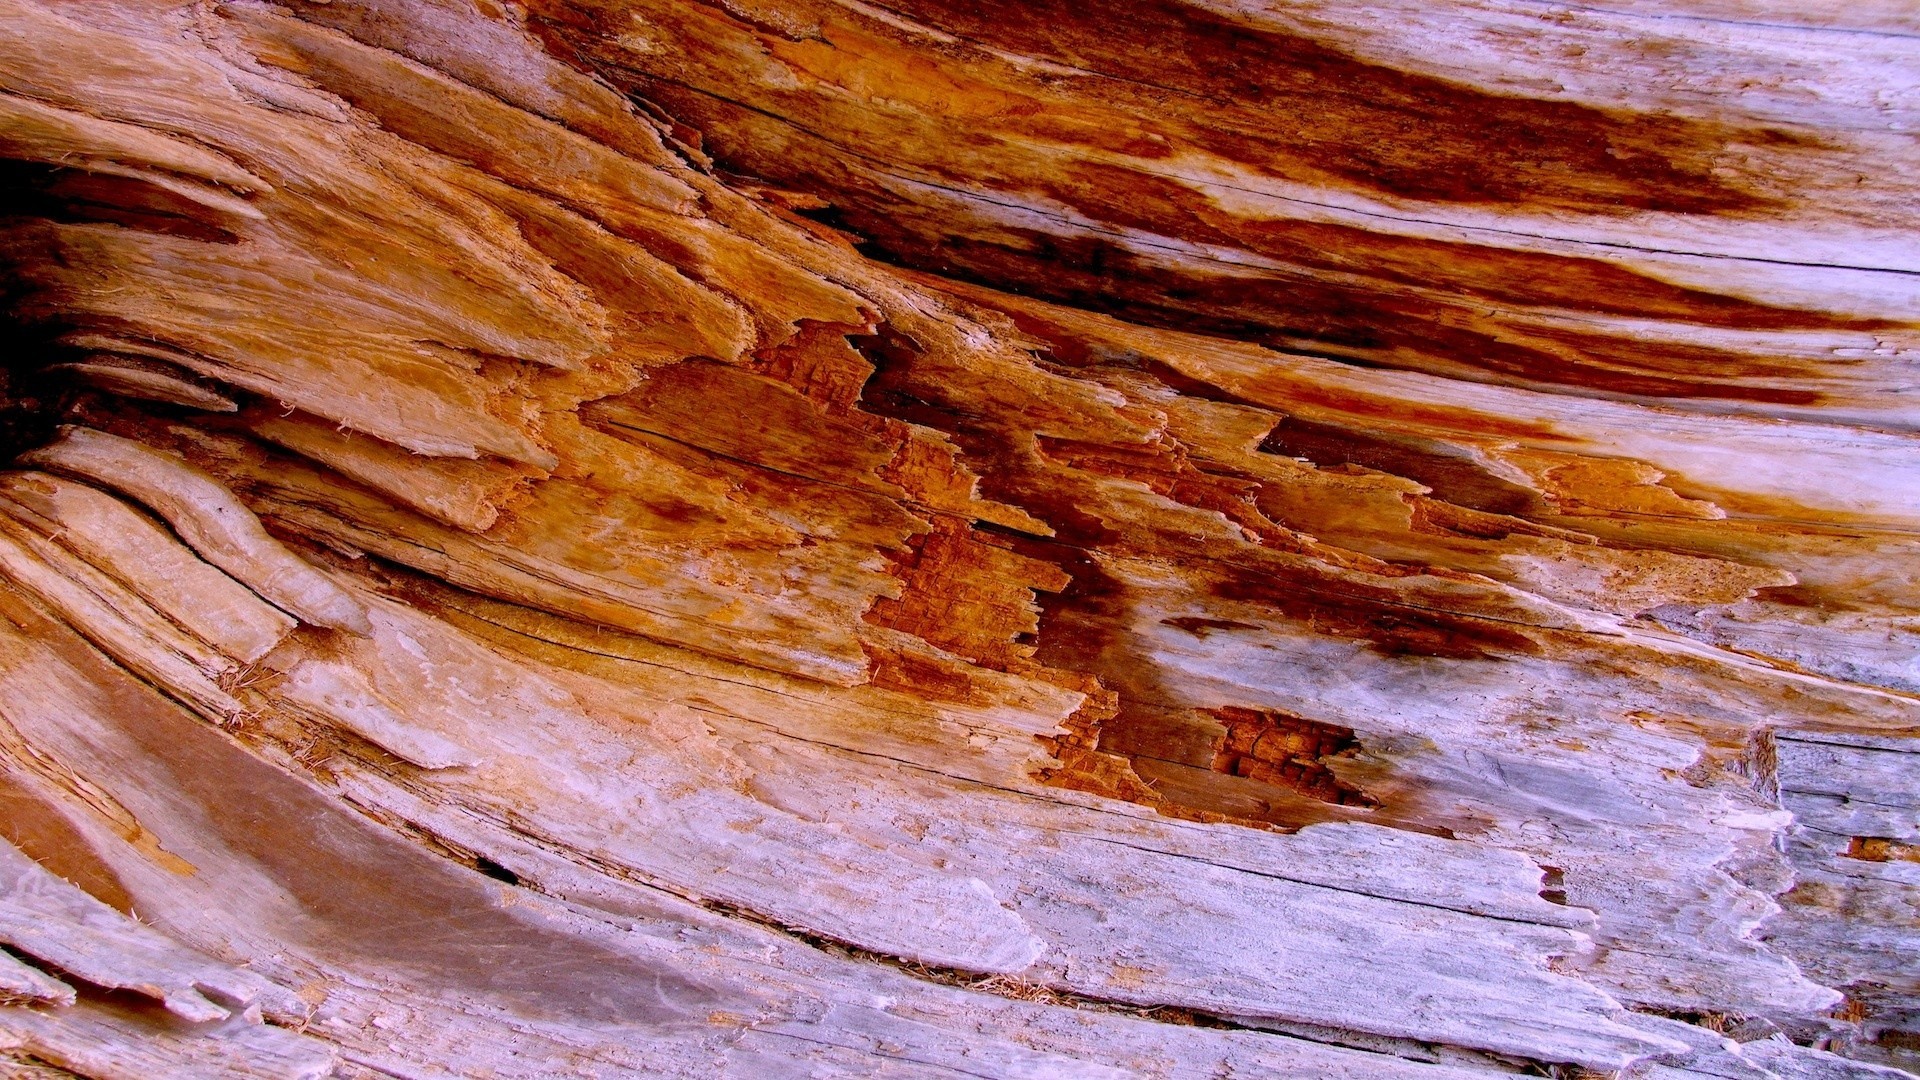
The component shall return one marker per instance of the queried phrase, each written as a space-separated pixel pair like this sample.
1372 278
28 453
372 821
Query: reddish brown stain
48 838
1075 341
1294 105
1452 476
1253 773
1200 627
1881 849
1327 305
1345 292
1140 200
1161 74
967 596
1388 624
1291 751
1349 324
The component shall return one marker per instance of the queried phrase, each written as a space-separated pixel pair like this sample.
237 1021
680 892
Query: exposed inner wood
819 537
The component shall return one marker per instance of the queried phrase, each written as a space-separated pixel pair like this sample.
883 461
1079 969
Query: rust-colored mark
1553 885
1882 849
1201 627
1287 102
1350 321
1288 751
1448 471
1387 623
969 597
42 831
1083 765
1394 268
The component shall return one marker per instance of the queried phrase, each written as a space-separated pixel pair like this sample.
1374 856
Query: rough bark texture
818 537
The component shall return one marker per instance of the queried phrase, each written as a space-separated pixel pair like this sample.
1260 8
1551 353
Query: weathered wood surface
810 537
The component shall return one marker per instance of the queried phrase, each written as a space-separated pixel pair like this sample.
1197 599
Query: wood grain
821 537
